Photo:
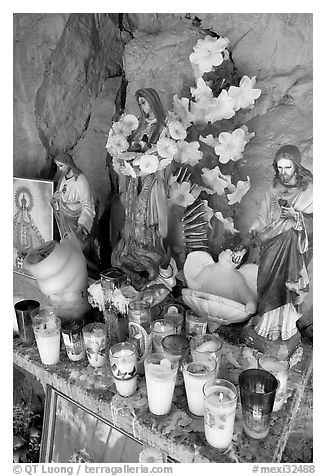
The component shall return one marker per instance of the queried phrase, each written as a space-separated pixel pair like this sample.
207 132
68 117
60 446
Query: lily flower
181 109
231 145
228 224
166 147
148 164
248 135
209 140
208 53
202 91
177 130
245 95
188 153
241 189
214 180
221 107
198 110
130 121
180 194
117 143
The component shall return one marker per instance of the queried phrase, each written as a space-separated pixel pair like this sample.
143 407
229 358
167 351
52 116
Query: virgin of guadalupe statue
140 251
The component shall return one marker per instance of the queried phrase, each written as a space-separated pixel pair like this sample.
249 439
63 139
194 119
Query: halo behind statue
218 309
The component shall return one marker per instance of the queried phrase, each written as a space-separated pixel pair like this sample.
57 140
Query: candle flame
220 396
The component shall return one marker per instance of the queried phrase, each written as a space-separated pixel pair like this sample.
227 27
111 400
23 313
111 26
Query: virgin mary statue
140 251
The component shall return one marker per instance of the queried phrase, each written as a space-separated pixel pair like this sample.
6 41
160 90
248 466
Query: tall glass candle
206 345
95 343
257 394
123 360
175 313
159 329
280 370
24 310
195 324
46 326
73 339
175 347
195 375
140 312
220 401
160 374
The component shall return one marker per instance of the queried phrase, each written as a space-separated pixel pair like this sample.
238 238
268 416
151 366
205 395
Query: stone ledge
179 435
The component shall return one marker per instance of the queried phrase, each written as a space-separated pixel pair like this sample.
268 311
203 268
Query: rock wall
68 71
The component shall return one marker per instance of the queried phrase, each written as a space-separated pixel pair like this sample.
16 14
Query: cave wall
69 70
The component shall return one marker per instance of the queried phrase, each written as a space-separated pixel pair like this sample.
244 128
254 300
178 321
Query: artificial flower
209 212
117 143
120 128
130 121
231 145
148 164
220 108
209 140
166 147
163 163
213 179
180 194
198 111
188 153
241 189
248 135
208 53
202 91
127 169
245 94
228 224
177 130
181 109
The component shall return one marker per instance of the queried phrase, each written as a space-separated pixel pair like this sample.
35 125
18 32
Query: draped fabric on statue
282 277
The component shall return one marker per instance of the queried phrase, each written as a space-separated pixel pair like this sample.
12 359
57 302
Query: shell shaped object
218 309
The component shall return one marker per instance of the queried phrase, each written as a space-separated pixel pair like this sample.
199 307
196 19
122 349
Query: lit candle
47 335
220 397
159 330
123 359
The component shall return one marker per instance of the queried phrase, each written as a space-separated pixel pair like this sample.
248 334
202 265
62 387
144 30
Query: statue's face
64 168
286 171
144 105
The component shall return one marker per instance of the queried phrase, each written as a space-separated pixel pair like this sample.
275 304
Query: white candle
203 346
123 359
160 382
220 407
195 375
95 342
160 329
47 336
280 370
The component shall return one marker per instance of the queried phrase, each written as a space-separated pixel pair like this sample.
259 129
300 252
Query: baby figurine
222 278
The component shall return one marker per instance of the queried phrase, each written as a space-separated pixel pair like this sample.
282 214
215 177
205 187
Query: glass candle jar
111 279
280 370
175 313
46 326
205 345
159 329
195 324
73 339
123 360
220 402
95 337
140 312
175 347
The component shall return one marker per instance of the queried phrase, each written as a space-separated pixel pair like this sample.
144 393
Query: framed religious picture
32 217
74 434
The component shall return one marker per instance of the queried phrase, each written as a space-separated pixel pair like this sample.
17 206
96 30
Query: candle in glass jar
280 370
159 329
195 375
123 360
220 398
206 345
174 313
47 334
95 337
140 312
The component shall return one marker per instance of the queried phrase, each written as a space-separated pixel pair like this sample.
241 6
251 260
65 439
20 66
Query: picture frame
33 221
73 433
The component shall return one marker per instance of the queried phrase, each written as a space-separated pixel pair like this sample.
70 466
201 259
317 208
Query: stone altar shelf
179 435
